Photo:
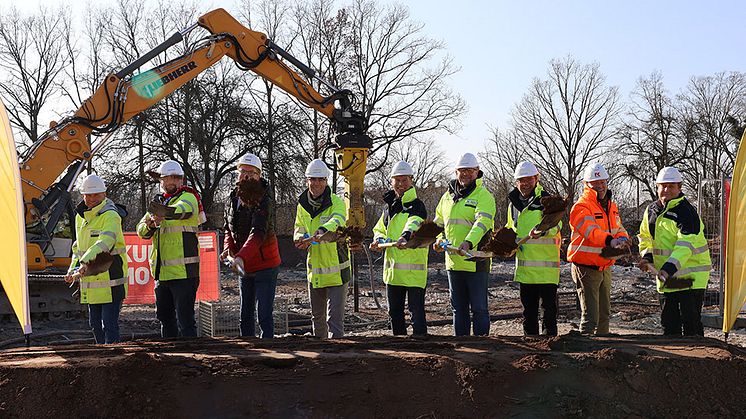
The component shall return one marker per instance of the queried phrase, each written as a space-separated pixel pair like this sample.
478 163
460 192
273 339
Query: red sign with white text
141 283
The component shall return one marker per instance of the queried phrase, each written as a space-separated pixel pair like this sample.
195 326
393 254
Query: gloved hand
644 265
401 243
438 246
619 242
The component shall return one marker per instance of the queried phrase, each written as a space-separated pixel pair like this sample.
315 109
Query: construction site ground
635 372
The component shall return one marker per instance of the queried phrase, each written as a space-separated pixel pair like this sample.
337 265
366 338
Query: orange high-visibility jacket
592 230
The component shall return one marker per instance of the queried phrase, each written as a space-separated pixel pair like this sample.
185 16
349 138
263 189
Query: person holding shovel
673 245
595 224
172 223
404 270
319 213
99 237
251 245
537 260
467 212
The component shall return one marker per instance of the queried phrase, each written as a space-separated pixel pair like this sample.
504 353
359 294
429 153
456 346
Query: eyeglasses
250 172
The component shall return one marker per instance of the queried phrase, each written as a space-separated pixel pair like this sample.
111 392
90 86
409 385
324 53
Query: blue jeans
258 292
469 290
174 307
104 320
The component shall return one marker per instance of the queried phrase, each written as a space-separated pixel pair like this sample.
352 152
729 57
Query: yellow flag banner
735 246
13 243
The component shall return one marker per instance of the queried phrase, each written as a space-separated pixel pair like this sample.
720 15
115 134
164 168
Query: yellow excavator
67 146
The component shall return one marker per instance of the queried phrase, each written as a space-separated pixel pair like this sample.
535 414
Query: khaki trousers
594 292
327 310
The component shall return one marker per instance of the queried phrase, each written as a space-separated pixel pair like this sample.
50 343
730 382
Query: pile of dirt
437 376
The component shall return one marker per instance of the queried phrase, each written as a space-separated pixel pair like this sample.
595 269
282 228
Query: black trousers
682 309
396 295
530 296
174 306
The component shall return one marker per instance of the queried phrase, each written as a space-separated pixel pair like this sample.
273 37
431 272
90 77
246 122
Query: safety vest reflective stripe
584 220
102 284
181 261
618 230
662 252
103 246
111 234
336 214
543 241
695 250
179 229
589 249
460 221
484 214
482 226
704 268
118 251
331 269
537 263
409 266
587 232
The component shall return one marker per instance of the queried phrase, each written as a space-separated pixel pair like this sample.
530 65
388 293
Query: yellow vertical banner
13 244
735 245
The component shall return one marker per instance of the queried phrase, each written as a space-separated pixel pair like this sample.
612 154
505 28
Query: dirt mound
437 376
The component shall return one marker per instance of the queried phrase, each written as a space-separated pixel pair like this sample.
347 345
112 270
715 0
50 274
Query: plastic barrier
141 282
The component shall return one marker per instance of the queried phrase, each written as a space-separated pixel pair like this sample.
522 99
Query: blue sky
501 46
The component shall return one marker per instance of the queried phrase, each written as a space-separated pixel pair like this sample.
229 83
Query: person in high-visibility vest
98 229
672 241
250 238
595 224
467 213
174 255
328 263
537 267
404 270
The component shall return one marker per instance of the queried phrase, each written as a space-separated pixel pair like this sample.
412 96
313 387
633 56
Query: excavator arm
67 145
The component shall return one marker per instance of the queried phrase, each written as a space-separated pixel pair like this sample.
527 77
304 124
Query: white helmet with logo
92 184
250 160
170 168
317 168
467 161
525 169
402 168
595 171
669 174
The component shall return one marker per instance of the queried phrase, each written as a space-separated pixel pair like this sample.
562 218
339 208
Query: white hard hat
251 160
170 168
317 168
467 161
525 169
92 184
402 168
669 174
595 171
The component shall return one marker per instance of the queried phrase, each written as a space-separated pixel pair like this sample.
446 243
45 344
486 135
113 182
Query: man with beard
174 255
250 239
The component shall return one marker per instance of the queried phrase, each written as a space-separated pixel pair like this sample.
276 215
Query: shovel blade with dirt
423 237
161 210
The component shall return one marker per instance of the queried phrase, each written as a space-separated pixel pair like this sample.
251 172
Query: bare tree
401 76
711 107
649 137
566 121
32 60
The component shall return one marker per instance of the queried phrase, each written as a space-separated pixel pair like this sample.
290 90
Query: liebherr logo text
151 90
